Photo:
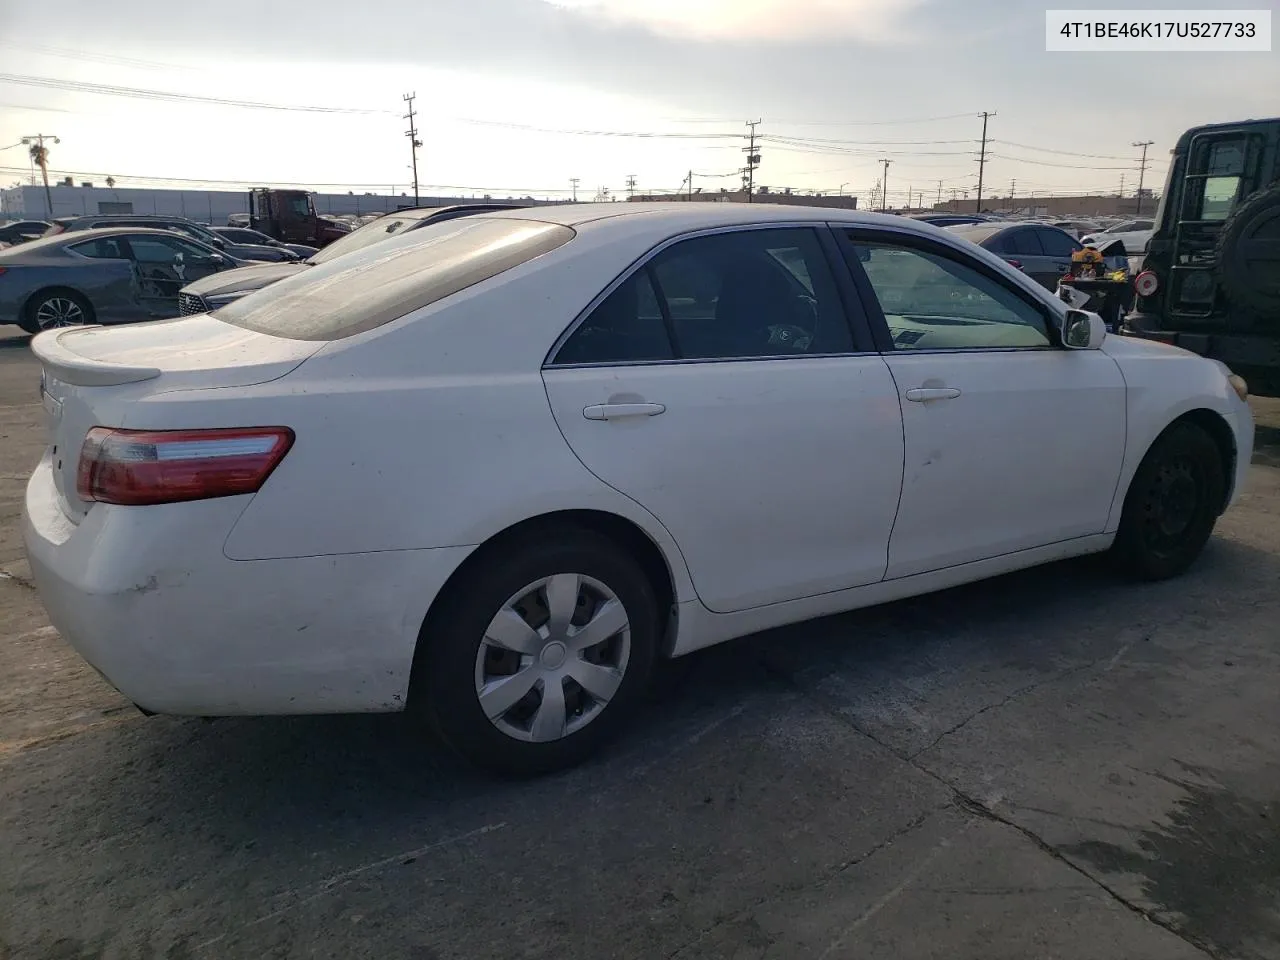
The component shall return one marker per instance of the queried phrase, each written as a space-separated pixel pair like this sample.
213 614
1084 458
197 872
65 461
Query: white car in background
492 470
1134 234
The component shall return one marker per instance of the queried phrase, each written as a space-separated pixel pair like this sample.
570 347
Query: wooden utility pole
884 185
414 143
1142 170
982 156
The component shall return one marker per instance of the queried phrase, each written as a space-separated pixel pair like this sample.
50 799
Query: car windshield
384 282
373 232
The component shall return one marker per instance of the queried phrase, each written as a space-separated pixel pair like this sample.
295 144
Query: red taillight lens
1014 263
1146 283
136 467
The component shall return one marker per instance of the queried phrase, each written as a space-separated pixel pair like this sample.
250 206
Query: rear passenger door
1058 246
721 385
1024 249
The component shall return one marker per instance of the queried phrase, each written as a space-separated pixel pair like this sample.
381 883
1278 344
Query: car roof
685 216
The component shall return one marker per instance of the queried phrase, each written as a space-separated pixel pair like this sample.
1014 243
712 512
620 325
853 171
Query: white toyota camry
492 470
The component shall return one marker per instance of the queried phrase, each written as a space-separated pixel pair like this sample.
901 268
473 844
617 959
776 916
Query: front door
1012 442
721 387
163 265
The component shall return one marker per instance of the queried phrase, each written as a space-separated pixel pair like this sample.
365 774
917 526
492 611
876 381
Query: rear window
385 281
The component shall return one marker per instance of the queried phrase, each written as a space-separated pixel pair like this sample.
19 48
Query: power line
83 86
1067 153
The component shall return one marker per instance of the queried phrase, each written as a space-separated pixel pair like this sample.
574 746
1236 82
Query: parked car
106 276
493 469
255 237
214 292
1077 228
20 231
188 228
1134 234
1040 251
948 219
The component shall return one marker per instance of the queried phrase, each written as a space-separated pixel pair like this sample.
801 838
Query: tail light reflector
137 467
1146 283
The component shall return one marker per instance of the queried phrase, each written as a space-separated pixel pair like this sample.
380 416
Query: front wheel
540 655
1172 504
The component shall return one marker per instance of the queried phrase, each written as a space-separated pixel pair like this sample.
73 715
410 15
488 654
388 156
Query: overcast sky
845 82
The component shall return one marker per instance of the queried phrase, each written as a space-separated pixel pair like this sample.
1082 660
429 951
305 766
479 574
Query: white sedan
1134 234
492 470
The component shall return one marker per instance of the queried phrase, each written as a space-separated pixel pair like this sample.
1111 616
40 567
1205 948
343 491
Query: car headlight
222 299
1238 385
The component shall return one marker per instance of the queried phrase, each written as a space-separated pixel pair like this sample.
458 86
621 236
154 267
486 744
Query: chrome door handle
617 411
922 394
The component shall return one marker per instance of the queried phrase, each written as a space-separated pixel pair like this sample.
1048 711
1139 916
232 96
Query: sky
518 97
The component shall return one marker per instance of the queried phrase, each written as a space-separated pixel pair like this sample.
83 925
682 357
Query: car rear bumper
147 597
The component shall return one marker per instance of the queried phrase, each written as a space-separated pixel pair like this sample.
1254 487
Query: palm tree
39 154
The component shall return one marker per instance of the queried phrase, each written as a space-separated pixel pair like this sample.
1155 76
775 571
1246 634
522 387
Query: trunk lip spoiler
66 365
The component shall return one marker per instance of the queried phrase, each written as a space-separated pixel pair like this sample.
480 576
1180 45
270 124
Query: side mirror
1082 330
217 259
219 243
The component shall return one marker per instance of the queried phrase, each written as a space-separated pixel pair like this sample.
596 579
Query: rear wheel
52 309
1172 504
540 655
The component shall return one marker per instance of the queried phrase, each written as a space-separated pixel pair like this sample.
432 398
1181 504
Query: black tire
29 322
1172 504
1251 284
447 664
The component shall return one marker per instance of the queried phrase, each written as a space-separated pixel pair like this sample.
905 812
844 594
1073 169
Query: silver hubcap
59 312
553 658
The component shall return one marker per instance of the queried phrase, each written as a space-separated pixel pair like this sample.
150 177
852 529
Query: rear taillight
136 467
1146 283
1014 263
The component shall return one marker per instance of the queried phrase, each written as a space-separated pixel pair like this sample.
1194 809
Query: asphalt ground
1052 764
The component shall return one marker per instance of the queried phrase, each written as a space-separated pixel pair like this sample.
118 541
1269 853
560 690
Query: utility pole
884 185
691 186
753 161
40 157
574 181
414 143
982 157
939 193
1122 186
631 185
1142 170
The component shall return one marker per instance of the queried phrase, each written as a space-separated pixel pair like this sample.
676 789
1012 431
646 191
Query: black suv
188 228
1210 282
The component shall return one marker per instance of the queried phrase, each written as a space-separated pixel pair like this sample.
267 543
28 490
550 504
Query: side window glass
932 302
1024 242
753 293
626 327
147 249
1056 243
103 248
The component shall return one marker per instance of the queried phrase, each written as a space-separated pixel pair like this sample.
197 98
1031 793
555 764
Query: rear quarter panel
1164 383
432 431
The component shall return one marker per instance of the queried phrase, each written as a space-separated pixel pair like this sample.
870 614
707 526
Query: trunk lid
92 376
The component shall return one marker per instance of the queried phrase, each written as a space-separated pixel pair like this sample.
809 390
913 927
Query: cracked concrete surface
1054 764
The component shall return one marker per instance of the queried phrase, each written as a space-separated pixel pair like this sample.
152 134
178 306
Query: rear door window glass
1024 243
1057 243
386 281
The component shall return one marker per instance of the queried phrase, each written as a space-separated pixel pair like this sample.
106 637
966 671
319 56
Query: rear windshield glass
374 232
385 281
